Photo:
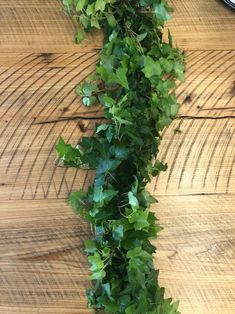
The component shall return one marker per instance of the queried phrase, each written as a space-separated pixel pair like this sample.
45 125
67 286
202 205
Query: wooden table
42 266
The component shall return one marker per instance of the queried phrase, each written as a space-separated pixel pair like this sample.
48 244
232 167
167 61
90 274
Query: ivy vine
134 81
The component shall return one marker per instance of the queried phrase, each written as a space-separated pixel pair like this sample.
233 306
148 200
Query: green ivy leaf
117 232
84 20
81 4
97 264
90 246
121 77
106 100
67 2
100 5
102 127
95 22
174 109
89 88
141 36
148 198
179 71
138 257
89 101
107 290
90 10
78 201
151 67
139 219
157 167
130 309
120 153
98 275
69 155
103 196
111 19
79 36
133 201
166 65
161 11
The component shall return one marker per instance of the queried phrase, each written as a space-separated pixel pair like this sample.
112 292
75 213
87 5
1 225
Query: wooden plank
40 88
42 26
34 89
202 25
201 158
196 252
43 267
42 261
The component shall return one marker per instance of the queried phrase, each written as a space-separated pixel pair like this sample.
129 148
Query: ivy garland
134 81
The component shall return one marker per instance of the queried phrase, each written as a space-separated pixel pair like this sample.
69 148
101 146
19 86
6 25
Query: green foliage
134 81
69 154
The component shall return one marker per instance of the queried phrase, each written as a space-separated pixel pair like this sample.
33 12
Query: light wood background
42 265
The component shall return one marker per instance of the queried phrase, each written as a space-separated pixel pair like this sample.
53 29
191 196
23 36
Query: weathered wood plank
200 161
203 25
42 263
42 26
201 158
40 88
32 91
196 251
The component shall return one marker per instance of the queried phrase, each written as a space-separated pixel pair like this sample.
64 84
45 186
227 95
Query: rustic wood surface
42 265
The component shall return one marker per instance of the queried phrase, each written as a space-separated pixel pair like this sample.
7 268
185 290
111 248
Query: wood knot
46 57
233 89
65 109
81 126
188 99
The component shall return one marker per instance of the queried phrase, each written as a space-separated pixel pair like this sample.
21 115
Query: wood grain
42 26
39 26
203 25
42 265
196 251
34 91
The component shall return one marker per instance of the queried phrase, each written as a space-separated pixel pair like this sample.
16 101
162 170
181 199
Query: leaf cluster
134 81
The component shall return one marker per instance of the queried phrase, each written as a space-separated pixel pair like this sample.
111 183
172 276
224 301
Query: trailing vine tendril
135 82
